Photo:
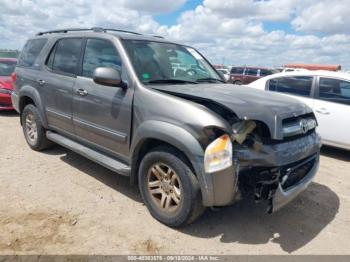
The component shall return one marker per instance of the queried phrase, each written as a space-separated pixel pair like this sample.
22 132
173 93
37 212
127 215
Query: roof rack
94 29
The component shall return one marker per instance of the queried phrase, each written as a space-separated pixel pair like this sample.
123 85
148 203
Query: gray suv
187 139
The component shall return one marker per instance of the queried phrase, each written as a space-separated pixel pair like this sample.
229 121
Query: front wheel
169 188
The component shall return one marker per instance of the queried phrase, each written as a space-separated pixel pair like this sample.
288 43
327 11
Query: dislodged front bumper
277 173
282 196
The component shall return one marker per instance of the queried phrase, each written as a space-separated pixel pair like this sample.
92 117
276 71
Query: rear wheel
169 188
34 132
238 83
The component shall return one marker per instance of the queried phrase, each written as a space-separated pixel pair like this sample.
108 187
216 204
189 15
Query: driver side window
100 53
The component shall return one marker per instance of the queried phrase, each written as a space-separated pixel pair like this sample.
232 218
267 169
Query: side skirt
89 153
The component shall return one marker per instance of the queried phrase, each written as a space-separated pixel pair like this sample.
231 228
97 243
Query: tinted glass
7 68
265 72
31 51
335 90
100 53
252 72
67 55
237 70
167 62
298 85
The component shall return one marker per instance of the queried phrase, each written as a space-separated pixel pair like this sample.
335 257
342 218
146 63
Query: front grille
292 174
291 120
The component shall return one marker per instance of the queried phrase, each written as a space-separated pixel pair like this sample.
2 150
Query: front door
332 109
102 114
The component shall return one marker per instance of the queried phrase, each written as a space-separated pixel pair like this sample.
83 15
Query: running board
93 155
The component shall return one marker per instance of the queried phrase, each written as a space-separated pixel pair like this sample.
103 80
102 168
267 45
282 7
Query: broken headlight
218 154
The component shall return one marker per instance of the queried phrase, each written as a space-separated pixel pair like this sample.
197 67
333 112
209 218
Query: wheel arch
151 134
29 95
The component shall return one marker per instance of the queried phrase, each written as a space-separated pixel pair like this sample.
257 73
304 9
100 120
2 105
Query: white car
326 92
225 72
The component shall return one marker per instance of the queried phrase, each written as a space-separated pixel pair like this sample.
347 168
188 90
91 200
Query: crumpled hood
247 103
6 82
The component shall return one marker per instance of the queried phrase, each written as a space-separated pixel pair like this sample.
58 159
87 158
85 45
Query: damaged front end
275 170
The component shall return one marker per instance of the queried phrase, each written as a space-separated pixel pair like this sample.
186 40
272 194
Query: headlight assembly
218 154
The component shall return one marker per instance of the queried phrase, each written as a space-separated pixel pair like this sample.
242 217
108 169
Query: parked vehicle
224 72
246 75
189 140
314 67
7 67
328 93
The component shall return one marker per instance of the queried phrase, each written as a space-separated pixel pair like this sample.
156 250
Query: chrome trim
301 126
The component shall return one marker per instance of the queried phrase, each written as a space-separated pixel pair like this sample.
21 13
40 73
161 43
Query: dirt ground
57 202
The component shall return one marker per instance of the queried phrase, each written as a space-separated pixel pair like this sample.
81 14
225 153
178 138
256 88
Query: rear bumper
5 102
14 99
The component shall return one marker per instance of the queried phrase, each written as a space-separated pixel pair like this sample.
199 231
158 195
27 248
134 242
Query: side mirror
107 76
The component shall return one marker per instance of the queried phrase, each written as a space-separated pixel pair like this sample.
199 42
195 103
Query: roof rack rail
94 29
158 36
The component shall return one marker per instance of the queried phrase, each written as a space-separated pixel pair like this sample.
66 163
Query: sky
235 32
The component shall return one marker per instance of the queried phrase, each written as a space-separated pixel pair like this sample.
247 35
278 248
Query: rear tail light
14 77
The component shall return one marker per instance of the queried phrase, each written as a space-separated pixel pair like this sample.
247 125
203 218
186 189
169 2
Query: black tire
238 83
190 207
40 142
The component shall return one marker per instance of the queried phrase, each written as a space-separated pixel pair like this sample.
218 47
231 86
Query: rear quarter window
30 52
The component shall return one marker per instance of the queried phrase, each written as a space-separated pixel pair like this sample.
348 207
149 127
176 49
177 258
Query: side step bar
93 155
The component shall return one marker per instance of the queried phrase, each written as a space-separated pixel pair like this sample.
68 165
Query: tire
189 206
33 130
238 83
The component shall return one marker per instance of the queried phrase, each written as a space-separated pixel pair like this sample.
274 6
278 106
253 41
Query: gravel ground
57 202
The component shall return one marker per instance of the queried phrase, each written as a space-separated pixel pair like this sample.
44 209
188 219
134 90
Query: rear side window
30 52
252 72
237 70
64 57
298 85
100 53
334 90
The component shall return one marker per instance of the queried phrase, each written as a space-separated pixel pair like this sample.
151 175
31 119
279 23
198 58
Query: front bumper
260 172
282 196
280 172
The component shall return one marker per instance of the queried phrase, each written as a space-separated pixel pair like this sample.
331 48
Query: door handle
322 111
41 82
82 92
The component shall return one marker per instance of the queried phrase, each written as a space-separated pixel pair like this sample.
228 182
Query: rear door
102 114
299 87
250 75
58 80
332 109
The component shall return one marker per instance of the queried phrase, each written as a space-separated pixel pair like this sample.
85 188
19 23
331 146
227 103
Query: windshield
7 68
166 63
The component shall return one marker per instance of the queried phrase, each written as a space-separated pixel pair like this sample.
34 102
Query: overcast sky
254 32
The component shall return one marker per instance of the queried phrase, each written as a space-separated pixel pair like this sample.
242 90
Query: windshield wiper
170 81
208 79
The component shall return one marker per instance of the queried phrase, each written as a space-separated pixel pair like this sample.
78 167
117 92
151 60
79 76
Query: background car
245 75
7 67
327 93
225 72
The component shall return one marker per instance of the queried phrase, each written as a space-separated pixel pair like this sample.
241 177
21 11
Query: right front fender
183 141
